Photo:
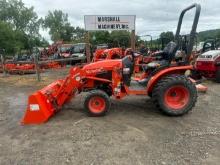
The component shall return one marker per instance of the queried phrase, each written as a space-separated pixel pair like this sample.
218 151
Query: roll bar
151 38
193 30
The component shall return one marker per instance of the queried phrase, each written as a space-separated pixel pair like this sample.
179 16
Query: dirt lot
134 132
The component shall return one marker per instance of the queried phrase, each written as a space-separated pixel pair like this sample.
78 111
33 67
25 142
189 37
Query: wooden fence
37 63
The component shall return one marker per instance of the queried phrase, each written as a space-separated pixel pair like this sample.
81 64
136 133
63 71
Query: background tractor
207 63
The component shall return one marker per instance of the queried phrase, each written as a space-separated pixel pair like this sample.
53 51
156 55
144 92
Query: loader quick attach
172 92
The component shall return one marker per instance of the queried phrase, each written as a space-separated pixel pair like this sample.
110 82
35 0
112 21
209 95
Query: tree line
20 30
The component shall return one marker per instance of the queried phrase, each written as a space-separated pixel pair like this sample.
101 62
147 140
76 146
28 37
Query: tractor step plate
134 85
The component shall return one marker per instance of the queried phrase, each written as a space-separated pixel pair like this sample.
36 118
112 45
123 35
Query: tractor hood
211 55
105 65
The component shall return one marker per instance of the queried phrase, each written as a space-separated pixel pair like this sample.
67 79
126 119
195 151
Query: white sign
109 22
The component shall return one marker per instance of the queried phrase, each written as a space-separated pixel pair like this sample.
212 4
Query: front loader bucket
40 107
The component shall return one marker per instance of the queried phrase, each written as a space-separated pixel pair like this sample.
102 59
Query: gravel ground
134 132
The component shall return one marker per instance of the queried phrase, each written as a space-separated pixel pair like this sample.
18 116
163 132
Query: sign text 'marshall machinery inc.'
109 22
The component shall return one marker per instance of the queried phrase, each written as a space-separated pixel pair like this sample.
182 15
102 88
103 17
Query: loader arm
46 102
69 88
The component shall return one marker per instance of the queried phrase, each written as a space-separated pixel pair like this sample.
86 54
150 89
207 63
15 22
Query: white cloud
153 16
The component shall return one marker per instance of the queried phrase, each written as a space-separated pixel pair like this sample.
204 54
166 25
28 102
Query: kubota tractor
118 53
172 92
106 54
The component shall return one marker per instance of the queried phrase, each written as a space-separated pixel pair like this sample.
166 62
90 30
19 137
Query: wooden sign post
133 39
88 52
37 68
3 65
2 58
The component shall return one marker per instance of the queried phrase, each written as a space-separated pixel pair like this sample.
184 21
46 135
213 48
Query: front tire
175 95
97 103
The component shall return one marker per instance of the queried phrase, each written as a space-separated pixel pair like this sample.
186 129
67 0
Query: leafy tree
168 35
114 38
7 37
59 27
21 24
99 37
19 16
67 32
120 38
78 35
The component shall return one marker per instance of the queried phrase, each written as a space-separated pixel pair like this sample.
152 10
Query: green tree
7 37
19 16
99 37
120 38
67 32
59 27
114 38
168 35
23 23
78 35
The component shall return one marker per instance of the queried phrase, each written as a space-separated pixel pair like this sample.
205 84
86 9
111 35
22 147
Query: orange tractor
172 92
106 54
118 53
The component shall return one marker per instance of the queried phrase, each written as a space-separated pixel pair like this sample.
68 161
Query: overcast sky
152 16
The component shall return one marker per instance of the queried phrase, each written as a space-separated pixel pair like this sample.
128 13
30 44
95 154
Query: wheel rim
177 97
97 104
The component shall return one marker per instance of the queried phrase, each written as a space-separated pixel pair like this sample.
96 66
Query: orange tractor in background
117 53
172 92
106 54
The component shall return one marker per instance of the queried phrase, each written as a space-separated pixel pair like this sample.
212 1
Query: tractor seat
164 57
168 52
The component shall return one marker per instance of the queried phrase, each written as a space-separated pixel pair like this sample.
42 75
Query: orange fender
164 72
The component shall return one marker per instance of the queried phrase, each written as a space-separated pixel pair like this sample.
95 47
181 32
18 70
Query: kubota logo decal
34 107
95 70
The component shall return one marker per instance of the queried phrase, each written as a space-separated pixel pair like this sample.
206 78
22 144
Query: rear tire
218 75
97 103
175 95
